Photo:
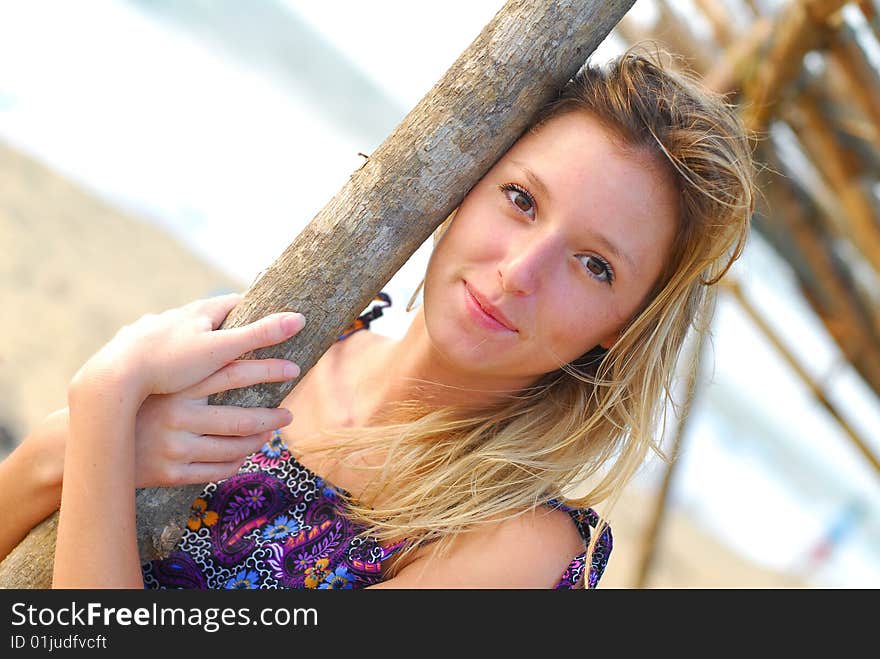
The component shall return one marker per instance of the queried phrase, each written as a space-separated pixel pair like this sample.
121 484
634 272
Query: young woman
556 302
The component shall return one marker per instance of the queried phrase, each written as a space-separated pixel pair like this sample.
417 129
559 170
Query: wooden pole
860 79
719 18
386 210
858 223
808 249
861 445
648 553
796 29
672 32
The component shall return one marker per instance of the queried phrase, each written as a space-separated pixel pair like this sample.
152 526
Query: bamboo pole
823 281
797 29
672 32
388 208
719 18
855 439
858 223
648 551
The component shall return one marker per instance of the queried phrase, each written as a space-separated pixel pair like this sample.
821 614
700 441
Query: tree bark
386 210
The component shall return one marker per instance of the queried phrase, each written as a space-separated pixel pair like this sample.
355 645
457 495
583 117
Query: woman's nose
527 263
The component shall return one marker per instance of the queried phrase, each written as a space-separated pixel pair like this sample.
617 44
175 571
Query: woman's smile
484 314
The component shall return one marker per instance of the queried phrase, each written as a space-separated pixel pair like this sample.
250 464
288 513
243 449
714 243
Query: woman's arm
96 545
177 351
179 439
30 480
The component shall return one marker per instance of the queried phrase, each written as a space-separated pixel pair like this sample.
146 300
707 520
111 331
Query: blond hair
448 470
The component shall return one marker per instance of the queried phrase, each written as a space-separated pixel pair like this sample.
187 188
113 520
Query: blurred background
156 151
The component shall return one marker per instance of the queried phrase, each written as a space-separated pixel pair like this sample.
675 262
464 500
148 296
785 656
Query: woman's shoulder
552 542
541 548
538 545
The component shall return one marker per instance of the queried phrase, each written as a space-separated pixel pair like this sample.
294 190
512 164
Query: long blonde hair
594 420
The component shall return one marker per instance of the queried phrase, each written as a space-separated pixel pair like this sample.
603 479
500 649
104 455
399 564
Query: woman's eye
598 267
519 197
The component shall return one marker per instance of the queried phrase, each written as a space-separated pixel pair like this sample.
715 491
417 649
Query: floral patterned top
276 524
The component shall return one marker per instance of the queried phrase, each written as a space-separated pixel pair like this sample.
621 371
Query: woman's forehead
577 126
578 151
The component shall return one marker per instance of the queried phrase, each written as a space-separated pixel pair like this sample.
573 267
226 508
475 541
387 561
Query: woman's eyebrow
612 248
533 179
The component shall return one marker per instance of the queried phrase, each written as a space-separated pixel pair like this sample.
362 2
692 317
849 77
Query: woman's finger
210 448
231 343
229 420
244 373
217 308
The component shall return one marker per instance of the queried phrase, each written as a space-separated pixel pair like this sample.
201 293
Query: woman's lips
485 314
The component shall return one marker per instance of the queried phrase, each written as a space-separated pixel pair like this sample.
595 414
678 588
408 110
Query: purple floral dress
276 524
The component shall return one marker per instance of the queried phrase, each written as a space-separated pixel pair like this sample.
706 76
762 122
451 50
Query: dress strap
363 321
389 551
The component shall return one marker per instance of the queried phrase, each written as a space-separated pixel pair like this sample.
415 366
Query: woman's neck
412 369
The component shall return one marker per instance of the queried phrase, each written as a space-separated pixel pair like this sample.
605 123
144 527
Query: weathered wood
858 223
815 388
670 31
387 209
825 284
651 539
719 18
797 28
29 565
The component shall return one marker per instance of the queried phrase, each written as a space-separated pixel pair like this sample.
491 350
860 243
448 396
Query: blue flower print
282 527
339 579
244 580
326 490
274 447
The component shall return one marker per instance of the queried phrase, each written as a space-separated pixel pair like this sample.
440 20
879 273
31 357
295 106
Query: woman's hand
175 350
180 359
180 439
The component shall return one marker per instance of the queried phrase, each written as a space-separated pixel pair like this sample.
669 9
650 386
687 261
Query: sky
226 155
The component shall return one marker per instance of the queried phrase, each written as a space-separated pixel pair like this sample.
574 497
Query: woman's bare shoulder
531 550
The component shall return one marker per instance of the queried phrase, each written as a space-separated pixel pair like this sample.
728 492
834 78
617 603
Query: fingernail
291 370
294 322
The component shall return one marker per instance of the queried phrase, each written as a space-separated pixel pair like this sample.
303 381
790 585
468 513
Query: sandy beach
75 269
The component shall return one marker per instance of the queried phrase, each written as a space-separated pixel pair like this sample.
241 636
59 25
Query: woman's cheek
581 329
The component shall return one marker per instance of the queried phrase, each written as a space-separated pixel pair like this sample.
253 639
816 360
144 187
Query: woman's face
559 242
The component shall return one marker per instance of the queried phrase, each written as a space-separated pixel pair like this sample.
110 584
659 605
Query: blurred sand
74 270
